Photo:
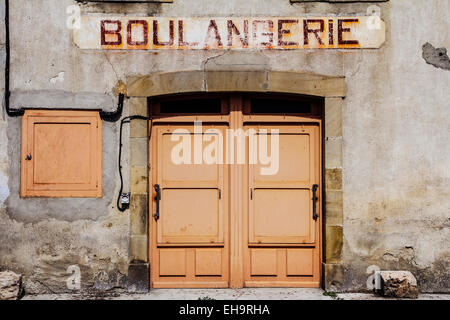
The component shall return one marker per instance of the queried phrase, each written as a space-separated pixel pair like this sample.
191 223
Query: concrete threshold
226 294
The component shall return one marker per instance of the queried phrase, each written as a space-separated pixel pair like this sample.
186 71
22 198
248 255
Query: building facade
353 93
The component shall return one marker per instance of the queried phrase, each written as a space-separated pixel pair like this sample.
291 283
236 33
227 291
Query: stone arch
166 83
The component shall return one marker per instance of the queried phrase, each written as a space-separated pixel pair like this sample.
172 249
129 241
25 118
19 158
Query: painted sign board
239 33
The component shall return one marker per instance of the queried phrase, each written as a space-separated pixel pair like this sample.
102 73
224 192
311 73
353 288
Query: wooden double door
245 213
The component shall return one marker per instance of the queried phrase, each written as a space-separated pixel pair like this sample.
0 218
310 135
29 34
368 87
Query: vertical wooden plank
24 148
236 194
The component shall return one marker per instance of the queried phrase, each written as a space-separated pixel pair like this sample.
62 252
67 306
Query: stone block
333 179
225 81
138 106
333 244
139 180
334 208
138 214
398 284
10 285
334 277
139 248
308 84
333 117
165 83
138 128
138 152
138 278
333 153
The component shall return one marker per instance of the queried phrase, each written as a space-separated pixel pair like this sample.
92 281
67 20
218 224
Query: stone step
10 285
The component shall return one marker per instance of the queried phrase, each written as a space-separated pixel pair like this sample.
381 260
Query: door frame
157 84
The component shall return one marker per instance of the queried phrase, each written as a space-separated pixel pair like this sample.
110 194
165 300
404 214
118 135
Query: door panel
283 243
295 160
172 262
281 216
69 137
208 262
193 210
300 262
192 175
190 216
280 209
263 262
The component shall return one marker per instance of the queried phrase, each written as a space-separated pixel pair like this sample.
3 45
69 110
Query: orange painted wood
172 262
270 240
279 217
189 243
66 154
208 262
263 262
300 262
237 220
281 208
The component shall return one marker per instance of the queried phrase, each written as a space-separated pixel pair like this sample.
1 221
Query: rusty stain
121 87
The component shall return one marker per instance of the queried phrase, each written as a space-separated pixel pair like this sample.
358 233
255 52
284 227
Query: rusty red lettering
117 32
156 41
232 29
342 30
282 32
130 27
269 26
316 32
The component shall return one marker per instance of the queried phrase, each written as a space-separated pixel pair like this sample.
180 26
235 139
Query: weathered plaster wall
396 172
41 238
396 160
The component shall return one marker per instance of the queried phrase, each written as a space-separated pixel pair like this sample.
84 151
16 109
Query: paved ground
225 294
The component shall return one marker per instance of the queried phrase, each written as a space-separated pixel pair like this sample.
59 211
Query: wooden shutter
61 154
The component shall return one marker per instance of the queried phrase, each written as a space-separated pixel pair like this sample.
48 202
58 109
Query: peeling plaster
4 190
58 78
436 56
